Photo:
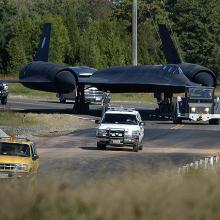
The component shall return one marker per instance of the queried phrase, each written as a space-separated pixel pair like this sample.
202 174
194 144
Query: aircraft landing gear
80 106
164 103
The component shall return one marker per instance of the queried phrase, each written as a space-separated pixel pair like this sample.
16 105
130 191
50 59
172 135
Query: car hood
14 159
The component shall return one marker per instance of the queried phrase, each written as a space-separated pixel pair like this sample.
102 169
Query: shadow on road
184 123
147 112
121 149
147 115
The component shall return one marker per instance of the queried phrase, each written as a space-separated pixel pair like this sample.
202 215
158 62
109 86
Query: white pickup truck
120 127
92 94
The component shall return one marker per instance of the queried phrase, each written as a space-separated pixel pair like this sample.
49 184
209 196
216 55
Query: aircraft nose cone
65 82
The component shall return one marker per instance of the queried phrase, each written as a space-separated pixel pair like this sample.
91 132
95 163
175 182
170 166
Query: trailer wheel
214 121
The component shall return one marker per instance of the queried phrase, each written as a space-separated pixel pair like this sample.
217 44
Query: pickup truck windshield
197 93
14 149
119 119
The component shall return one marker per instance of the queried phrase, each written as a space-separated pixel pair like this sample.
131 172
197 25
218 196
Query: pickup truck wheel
136 147
141 147
4 101
101 146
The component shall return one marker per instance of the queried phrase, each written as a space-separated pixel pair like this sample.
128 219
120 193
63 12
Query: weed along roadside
145 193
34 124
156 196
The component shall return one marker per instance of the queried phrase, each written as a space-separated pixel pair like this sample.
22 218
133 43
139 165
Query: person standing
106 98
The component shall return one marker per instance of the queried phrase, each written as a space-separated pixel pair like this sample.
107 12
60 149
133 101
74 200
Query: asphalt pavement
75 154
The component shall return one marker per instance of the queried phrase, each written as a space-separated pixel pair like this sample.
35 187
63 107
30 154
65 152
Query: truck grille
200 110
116 134
7 166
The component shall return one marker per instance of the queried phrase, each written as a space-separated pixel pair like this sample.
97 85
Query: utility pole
134 33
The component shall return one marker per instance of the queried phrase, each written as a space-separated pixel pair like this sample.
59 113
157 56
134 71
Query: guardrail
205 163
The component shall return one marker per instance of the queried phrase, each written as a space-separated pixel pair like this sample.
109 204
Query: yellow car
18 157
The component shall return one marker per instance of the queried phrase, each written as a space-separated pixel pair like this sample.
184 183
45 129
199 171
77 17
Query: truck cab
198 104
120 127
18 157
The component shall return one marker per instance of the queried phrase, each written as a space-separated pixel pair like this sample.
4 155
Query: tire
136 147
177 120
101 146
214 121
141 147
4 101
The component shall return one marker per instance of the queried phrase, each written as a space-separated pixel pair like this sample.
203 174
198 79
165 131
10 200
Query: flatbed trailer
198 104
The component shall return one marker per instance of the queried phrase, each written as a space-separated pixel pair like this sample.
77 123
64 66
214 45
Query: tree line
97 33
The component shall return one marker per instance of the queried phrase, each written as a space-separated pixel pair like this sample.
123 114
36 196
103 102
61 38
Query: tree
149 14
198 30
27 31
7 12
103 45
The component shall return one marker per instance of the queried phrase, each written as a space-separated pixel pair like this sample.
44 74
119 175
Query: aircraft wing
150 78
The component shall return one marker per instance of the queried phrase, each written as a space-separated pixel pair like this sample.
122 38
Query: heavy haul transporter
198 104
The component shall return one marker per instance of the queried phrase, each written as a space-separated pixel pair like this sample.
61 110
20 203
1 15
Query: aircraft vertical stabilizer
169 49
43 48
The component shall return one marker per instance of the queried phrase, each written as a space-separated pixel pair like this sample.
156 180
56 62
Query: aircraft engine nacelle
65 81
205 78
199 74
48 77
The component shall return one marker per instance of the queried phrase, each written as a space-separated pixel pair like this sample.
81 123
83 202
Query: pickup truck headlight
23 167
207 110
135 134
101 132
193 109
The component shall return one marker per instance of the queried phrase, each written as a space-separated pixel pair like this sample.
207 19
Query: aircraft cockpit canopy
172 69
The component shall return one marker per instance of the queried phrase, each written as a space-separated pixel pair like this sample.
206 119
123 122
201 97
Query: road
75 155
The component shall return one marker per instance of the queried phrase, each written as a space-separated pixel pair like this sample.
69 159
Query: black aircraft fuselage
167 79
52 77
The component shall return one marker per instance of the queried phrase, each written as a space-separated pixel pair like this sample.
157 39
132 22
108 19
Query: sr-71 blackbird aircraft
166 79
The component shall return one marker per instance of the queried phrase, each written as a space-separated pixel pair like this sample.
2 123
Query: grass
133 97
41 123
217 91
19 90
141 195
16 89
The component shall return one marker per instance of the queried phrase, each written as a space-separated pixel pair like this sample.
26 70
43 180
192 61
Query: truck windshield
200 93
119 119
14 149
